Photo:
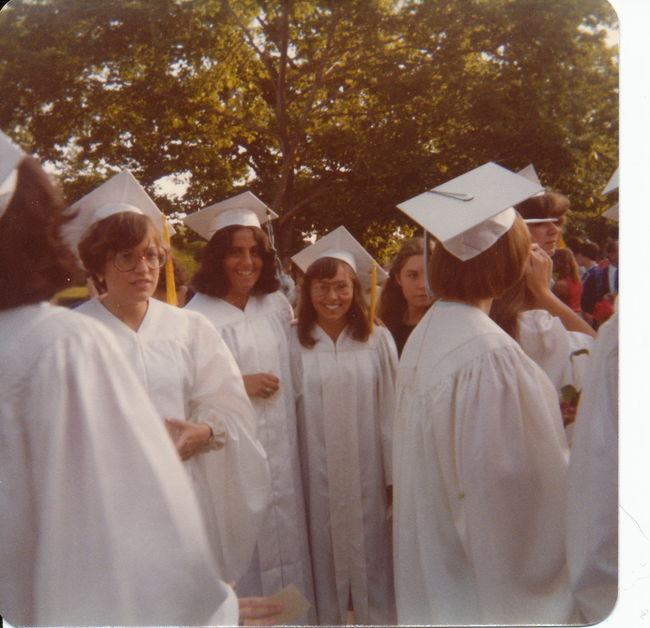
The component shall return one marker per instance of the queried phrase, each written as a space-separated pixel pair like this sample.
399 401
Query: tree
332 112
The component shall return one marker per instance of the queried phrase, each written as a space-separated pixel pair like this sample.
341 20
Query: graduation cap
468 214
10 156
244 209
121 193
612 184
530 173
341 244
612 212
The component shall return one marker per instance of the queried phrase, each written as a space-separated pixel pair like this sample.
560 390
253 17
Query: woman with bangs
183 363
237 291
480 457
345 383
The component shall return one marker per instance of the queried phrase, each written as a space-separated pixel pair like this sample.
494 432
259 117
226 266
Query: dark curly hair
357 315
35 263
211 279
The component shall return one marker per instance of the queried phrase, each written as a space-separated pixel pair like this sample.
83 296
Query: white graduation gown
99 524
479 473
592 502
258 337
345 415
544 338
191 375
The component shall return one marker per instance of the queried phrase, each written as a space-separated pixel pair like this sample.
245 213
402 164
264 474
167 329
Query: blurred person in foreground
100 525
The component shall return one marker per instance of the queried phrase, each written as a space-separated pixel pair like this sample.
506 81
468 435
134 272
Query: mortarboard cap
244 209
342 245
120 193
468 214
530 173
612 212
10 156
612 184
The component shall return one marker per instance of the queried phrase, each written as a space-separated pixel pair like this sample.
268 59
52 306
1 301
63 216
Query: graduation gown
592 502
259 341
544 338
479 472
191 375
345 415
99 523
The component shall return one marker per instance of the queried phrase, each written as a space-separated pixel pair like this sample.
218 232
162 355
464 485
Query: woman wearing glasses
182 361
345 379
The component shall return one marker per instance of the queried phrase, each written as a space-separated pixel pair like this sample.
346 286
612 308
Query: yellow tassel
172 299
373 297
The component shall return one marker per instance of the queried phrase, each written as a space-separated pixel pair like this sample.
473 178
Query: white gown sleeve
562 354
238 473
118 537
592 501
386 403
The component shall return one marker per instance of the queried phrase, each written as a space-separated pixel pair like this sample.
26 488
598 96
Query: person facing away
480 457
237 290
345 369
404 299
100 525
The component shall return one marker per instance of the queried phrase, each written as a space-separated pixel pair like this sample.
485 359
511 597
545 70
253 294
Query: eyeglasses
126 261
321 289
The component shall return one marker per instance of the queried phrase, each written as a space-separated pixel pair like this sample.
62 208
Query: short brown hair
547 205
488 275
357 315
34 261
114 233
211 278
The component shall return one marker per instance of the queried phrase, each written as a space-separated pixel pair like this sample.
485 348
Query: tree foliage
332 112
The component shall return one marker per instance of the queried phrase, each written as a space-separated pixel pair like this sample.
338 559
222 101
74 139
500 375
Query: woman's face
411 280
546 234
243 262
332 298
131 275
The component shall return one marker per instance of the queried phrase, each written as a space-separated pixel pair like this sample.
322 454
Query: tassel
373 296
171 297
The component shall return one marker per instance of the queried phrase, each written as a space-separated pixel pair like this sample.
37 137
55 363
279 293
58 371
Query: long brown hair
357 316
565 265
34 261
506 309
392 304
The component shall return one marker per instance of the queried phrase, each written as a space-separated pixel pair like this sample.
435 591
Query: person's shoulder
34 331
275 300
537 320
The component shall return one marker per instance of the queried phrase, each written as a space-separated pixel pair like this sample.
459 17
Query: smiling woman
345 383
237 290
